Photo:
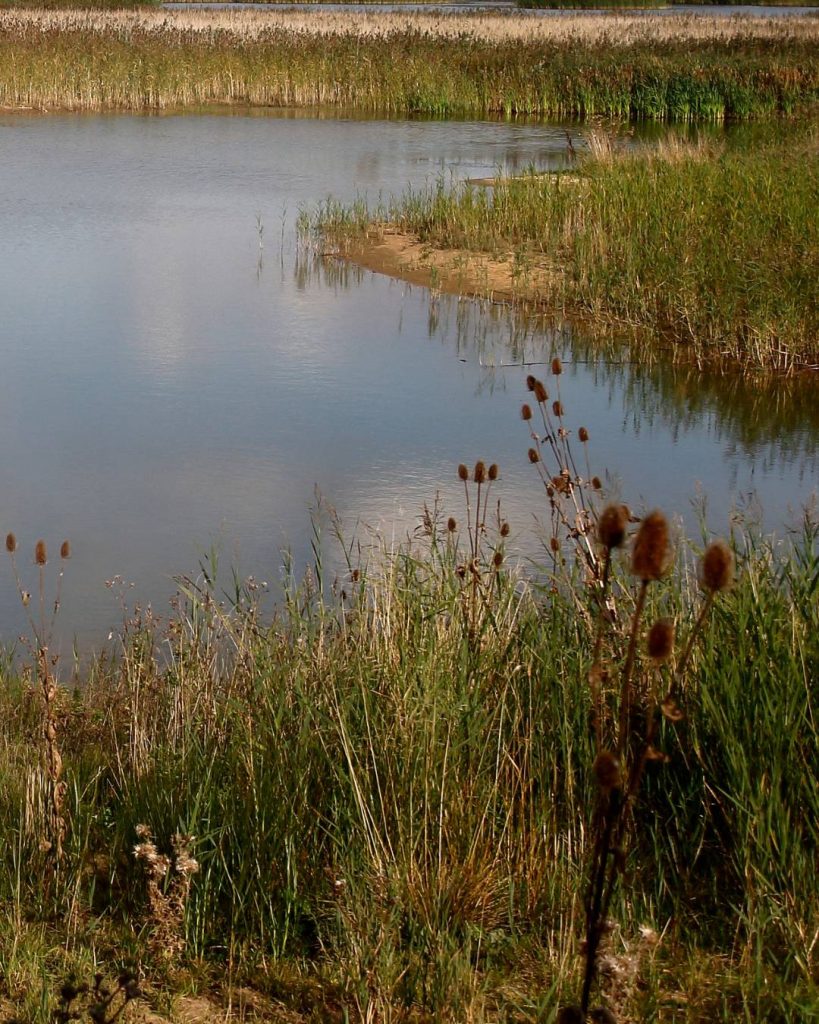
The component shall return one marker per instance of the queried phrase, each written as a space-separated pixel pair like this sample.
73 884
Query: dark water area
178 375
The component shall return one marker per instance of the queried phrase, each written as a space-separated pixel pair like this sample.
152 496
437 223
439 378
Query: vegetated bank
381 804
712 247
455 65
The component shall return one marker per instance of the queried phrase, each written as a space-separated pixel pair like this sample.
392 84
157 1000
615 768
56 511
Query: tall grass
389 789
408 64
712 248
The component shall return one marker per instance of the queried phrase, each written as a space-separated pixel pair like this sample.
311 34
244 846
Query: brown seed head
583 434
480 472
554 544
541 394
530 382
596 483
497 559
40 553
493 471
463 472
504 530
451 524
533 455
557 367
65 550
526 411
11 543
607 771
611 527
557 408
717 567
660 643
651 555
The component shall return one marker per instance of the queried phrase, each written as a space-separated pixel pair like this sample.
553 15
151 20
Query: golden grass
583 28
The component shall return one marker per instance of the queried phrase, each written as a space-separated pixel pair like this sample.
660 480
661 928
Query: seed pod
451 524
497 559
557 367
583 434
596 483
40 553
533 456
607 771
717 567
660 642
463 472
65 550
526 411
493 471
11 543
504 530
554 544
611 527
557 408
541 394
480 472
530 382
651 555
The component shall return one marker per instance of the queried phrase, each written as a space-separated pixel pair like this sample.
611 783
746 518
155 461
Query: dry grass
581 28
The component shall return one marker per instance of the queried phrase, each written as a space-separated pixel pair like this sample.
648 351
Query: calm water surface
175 376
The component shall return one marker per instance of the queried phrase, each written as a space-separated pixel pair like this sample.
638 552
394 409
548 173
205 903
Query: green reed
405 71
389 790
712 248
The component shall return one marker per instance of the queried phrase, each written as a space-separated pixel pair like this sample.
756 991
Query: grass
711 247
625 67
391 793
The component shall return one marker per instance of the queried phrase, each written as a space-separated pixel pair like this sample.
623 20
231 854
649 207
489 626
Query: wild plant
49 790
100 1002
630 696
168 885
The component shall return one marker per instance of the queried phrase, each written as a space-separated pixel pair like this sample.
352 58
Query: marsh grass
711 247
390 792
579 66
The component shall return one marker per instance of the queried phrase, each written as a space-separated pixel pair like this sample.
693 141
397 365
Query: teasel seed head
583 434
11 543
65 550
557 367
554 544
451 524
597 483
526 411
611 527
651 555
463 472
504 530
40 553
557 408
717 567
541 394
480 472
607 771
660 643
497 559
493 471
530 382
533 456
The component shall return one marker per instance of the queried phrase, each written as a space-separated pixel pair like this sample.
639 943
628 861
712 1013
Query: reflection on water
176 375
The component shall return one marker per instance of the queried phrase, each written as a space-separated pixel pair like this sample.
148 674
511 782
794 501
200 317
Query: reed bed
619 66
712 248
378 806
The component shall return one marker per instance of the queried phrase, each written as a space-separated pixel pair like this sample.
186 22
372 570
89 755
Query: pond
178 376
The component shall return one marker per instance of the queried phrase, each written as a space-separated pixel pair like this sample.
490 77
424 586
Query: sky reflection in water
164 390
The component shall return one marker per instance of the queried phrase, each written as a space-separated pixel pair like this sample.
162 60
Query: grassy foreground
380 806
580 65
713 248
